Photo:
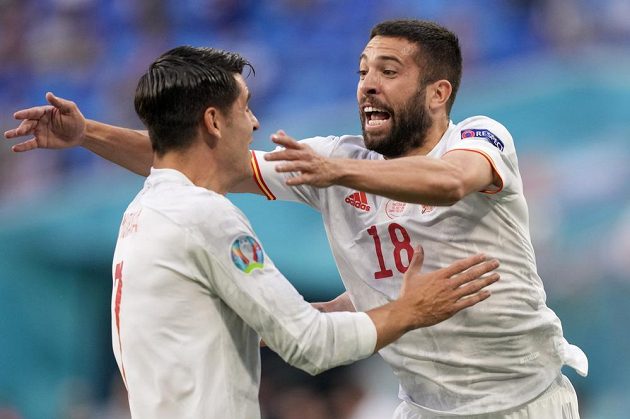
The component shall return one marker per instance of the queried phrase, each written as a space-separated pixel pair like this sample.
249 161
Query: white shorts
559 401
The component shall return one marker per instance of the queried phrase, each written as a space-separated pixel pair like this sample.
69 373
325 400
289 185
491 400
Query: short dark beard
409 130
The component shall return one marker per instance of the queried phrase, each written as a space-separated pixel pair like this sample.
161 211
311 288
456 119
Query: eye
362 74
389 73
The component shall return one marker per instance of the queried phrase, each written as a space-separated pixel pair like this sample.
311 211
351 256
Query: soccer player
414 175
193 288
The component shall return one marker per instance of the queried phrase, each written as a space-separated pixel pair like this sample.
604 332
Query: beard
409 128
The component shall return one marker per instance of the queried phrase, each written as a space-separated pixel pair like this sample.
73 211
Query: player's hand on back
436 296
58 125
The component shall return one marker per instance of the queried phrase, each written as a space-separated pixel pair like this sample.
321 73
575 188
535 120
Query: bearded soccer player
416 176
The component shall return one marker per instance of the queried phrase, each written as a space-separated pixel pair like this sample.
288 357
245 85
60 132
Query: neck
200 165
434 134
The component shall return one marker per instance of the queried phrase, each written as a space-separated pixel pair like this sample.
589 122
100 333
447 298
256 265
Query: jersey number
401 241
118 285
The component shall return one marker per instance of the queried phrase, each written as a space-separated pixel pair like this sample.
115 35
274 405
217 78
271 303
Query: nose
369 84
255 124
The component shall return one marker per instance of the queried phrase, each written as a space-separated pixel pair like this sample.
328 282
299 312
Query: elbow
309 361
455 193
452 188
314 369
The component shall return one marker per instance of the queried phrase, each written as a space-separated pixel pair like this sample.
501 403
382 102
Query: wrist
339 170
90 133
402 315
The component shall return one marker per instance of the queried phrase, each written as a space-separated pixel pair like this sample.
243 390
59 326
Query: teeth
372 109
376 122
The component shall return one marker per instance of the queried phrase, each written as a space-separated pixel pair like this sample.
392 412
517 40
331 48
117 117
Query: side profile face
392 100
238 134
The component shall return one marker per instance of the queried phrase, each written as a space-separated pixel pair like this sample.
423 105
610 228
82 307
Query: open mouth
375 117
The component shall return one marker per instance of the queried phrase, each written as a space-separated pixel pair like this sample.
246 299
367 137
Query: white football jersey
496 355
193 291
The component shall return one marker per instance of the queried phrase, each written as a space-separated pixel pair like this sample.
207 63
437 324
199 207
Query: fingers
26 127
25 146
64 105
284 140
32 113
475 272
286 154
293 166
463 264
476 285
417 260
298 180
470 301
37 112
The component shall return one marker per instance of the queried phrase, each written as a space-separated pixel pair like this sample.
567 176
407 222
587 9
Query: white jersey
193 290
493 356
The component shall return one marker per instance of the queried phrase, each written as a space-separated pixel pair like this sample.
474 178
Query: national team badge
247 254
395 209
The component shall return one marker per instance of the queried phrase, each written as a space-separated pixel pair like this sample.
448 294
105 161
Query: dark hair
179 86
438 55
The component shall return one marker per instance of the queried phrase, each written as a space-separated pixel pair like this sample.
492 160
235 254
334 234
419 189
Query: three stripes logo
358 200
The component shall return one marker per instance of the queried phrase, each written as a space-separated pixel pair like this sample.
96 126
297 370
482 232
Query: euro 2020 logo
247 254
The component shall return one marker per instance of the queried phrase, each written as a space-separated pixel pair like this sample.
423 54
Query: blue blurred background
555 72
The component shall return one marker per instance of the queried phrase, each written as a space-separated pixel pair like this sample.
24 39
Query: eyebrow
383 58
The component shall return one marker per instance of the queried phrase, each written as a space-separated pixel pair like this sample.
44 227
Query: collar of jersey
170 175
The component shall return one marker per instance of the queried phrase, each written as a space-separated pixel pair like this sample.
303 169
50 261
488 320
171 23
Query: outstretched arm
62 125
125 147
415 179
425 299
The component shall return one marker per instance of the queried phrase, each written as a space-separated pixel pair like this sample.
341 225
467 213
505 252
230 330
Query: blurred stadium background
555 72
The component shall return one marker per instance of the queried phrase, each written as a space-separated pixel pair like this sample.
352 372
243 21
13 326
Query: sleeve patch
483 134
247 254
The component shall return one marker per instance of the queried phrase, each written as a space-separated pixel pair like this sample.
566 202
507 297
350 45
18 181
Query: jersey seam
494 168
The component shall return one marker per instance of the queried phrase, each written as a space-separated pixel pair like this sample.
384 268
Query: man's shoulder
484 128
349 146
480 121
334 140
190 206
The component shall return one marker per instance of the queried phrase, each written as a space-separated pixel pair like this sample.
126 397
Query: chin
372 141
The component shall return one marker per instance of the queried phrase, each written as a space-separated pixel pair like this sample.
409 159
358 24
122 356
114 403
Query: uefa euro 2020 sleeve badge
247 254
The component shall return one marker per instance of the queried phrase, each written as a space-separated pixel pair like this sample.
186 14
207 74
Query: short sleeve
273 184
492 140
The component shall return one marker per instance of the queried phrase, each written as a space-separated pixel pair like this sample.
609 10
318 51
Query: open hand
436 296
309 167
58 125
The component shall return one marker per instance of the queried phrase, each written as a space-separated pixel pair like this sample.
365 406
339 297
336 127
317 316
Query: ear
213 122
438 94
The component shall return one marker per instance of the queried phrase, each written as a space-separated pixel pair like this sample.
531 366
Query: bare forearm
125 147
391 322
412 179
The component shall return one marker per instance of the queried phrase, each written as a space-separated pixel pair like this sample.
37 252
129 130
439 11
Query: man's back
193 290
179 347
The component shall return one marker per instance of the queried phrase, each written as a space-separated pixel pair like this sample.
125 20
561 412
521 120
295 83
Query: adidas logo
358 200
